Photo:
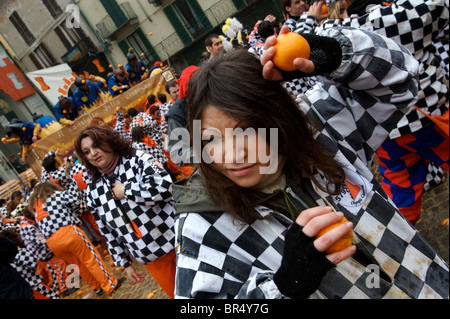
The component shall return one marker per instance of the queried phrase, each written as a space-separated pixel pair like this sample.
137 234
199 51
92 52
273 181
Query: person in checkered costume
53 172
26 265
241 234
57 222
415 141
130 197
50 267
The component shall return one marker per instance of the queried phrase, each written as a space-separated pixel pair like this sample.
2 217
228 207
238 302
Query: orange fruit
342 243
290 46
150 295
324 9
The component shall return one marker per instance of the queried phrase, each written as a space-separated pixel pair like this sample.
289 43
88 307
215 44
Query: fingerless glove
326 54
302 267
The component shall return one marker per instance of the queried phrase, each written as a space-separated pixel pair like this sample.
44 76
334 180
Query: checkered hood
147 203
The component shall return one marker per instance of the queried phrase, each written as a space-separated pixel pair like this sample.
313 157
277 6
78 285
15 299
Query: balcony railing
216 15
111 24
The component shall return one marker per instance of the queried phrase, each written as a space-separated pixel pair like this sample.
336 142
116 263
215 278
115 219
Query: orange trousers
163 271
73 246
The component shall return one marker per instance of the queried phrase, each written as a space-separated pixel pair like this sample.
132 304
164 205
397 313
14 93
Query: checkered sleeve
442 47
417 25
116 247
26 264
290 23
35 242
414 23
375 64
306 24
153 185
375 85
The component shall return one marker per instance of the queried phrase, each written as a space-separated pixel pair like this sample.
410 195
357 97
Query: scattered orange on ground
290 46
341 244
150 295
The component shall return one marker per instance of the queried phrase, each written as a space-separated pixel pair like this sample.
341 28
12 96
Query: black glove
302 267
326 54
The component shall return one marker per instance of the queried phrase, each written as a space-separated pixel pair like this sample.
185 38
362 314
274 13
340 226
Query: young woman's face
239 152
95 155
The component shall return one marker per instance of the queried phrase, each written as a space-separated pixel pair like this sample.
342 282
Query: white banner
53 82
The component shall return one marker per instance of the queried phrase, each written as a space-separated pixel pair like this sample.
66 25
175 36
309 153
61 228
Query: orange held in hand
324 9
342 243
290 46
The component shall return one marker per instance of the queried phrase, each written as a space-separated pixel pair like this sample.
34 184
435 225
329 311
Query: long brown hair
235 85
42 191
107 140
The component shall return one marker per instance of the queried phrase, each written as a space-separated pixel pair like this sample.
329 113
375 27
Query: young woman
130 197
247 226
55 214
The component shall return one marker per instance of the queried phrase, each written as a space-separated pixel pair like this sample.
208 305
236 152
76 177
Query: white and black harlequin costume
60 207
154 131
147 205
58 176
26 265
36 246
416 24
218 257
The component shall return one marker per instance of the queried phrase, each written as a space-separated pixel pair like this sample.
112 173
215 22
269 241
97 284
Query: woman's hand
270 72
119 190
134 275
315 219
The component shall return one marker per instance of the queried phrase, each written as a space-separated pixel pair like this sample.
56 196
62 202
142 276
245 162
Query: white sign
53 82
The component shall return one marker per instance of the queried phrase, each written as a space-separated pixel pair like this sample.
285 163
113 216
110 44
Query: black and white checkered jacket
58 176
25 263
147 206
60 209
416 24
219 257
34 240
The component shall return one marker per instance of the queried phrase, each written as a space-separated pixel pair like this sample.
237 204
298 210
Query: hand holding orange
290 46
342 243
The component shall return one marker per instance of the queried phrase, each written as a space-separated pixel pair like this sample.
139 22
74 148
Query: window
138 41
42 58
193 22
52 7
71 37
138 46
22 28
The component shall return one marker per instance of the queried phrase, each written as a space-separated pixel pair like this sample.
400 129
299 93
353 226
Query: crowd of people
238 215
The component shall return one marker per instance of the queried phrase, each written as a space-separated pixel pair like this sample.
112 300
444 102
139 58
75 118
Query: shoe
119 283
99 292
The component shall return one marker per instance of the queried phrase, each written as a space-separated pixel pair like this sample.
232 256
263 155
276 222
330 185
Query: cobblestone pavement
435 211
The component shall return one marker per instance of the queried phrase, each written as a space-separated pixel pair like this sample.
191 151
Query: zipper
297 198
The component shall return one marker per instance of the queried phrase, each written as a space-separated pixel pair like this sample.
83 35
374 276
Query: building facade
95 36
